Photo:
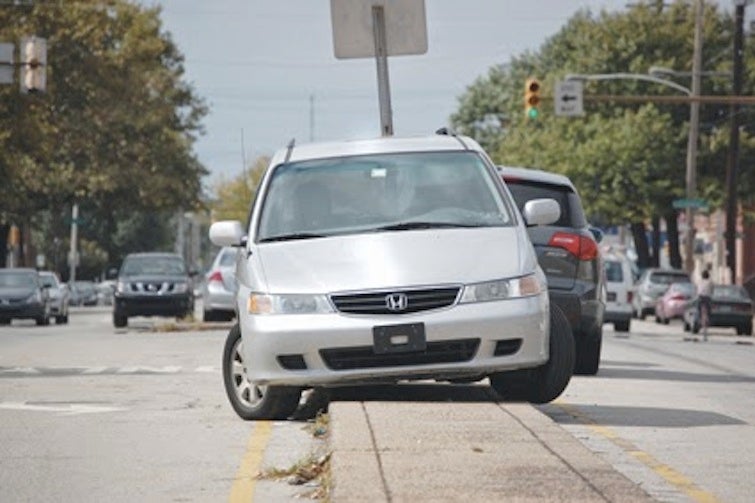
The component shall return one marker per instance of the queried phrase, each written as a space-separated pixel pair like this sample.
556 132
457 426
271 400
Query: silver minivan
385 260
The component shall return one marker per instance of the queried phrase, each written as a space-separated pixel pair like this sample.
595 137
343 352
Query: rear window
730 292
614 272
568 201
666 278
228 258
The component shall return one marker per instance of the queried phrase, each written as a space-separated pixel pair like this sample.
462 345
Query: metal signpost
379 28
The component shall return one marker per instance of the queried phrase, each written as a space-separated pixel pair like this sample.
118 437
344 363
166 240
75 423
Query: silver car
386 260
219 288
59 295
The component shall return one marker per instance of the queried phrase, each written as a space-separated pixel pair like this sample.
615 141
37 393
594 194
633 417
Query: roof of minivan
385 145
536 175
155 254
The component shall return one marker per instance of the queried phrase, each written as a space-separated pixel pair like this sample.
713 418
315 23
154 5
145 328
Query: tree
233 198
628 161
115 129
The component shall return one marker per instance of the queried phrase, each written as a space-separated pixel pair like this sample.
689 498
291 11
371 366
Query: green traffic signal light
532 113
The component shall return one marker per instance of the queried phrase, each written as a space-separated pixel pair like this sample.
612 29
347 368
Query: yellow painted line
242 490
673 477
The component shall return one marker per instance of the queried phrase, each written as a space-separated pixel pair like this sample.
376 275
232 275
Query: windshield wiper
292 237
408 226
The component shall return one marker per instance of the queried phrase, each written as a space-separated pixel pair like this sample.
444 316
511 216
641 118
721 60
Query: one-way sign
567 100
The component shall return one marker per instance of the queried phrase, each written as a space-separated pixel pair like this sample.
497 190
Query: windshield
137 266
614 272
381 192
12 279
48 280
730 292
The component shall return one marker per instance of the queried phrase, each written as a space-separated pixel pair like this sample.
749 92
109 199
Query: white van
619 290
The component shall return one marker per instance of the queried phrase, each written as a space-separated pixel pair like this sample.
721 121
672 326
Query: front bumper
153 305
340 349
22 311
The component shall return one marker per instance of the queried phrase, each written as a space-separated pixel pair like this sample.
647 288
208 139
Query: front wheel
621 326
545 383
588 354
119 320
249 400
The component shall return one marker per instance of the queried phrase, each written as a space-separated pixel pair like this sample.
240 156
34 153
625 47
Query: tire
4 321
695 327
621 326
545 383
59 320
686 326
665 321
744 329
588 354
658 319
252 402
43 320
119 320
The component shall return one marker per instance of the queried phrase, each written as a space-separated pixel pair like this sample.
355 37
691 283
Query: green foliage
628 161
115 129
233 198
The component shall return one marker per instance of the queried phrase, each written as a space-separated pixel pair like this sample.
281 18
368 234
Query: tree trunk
641 245
655 258
672 232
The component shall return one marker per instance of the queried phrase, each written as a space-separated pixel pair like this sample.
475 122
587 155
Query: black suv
568 254
152 284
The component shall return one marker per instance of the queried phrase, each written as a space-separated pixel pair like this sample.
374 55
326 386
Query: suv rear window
666 278
571 209
614 272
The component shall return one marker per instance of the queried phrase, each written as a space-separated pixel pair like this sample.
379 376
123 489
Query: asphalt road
91 413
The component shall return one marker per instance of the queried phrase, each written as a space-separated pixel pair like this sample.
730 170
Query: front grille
363 357
376 302
151 287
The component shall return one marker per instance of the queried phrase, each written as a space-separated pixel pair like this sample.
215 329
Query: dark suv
152 284
568 254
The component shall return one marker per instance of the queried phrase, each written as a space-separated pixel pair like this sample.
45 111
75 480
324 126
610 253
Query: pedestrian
704 293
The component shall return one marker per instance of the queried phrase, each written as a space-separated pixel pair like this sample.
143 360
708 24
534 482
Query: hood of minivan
394 259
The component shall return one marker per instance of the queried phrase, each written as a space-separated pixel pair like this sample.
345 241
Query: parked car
619 290
652 284
731 306
568 253
152 284
219 289
385 260
105 292
673 302
59 295
83 293
23 296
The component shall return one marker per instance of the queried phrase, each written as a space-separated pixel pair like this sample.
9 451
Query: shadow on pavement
671 375
652 417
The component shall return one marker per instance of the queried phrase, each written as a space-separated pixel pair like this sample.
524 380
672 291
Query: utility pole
694 130
732 167
74 254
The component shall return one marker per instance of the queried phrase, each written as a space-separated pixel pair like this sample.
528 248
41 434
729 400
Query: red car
672 303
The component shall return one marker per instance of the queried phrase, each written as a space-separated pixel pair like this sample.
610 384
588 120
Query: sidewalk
482 451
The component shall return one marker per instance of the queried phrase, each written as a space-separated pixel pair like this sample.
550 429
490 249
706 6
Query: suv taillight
582 247
630 296
215 276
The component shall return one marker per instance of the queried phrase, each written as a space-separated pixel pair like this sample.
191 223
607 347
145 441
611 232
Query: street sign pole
381 59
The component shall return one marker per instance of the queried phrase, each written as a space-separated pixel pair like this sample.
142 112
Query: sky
268 72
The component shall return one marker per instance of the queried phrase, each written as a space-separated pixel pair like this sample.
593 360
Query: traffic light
532 98
33 64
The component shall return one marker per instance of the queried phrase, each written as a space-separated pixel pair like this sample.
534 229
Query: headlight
180 288
502 289
260 303
121 287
